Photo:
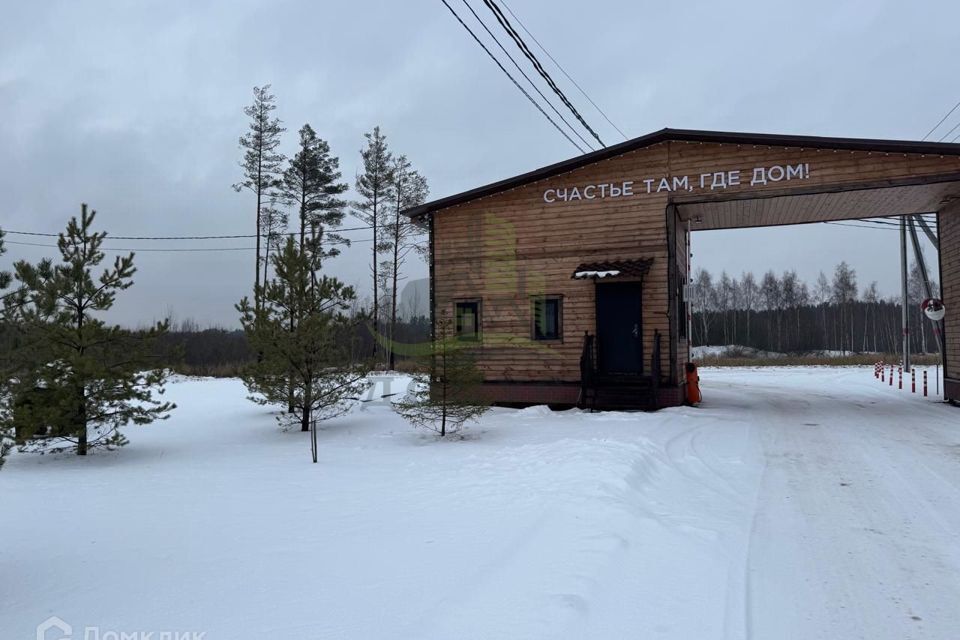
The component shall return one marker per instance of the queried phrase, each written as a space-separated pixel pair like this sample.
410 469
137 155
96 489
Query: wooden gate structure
521 265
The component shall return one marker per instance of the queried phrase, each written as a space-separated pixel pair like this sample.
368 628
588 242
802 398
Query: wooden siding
507 247
949 230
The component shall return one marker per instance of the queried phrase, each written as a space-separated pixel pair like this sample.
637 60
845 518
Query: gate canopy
768 210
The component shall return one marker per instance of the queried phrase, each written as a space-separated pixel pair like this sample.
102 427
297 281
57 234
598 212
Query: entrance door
619 328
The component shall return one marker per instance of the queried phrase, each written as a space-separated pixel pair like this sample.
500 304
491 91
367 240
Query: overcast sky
136 107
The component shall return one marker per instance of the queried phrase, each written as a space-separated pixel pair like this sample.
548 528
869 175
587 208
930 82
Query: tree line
70 379
309 185
785 314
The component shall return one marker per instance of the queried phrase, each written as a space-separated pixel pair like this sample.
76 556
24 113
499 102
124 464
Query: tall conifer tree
375 186
273 224
311 184
6 302
401 235
262 164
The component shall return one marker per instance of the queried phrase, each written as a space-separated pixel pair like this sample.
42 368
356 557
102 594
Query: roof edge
685 135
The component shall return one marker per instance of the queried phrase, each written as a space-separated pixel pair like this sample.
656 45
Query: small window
546 317
468 319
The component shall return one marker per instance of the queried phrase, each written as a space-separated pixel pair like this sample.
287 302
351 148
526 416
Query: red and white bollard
913 380
900 377
924 383
891 376
883 373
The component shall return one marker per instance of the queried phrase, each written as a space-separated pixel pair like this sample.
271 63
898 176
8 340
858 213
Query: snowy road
795 503
857 528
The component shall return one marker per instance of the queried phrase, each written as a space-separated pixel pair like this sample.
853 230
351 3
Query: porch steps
615 393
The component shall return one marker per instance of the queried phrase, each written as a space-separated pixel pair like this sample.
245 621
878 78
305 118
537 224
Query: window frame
478 333
556 297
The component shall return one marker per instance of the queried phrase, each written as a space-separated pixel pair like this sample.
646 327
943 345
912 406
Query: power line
942 120
39 244
947 134
220 237
172 250
515 83
562 70
505 23
859 226
523 73
865 226
884 222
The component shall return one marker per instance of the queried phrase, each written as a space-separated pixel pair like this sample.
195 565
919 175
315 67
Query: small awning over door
613 269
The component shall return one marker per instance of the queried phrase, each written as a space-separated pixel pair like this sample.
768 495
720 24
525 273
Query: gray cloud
136 109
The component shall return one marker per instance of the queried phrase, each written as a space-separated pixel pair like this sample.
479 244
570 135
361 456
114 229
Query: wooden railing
655 367
588 368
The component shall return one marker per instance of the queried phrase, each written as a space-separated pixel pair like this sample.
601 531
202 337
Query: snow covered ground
706 352
794 503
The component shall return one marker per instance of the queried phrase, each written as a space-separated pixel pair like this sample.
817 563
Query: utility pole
904 317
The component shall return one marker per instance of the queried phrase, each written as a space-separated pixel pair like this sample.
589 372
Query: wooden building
571 278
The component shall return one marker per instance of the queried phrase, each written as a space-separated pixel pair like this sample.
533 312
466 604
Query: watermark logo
53 628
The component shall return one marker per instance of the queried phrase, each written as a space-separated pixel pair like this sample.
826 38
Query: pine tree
402 235
273 225
375 186
315 353
261 163
450 394
311 185
6 433
75 378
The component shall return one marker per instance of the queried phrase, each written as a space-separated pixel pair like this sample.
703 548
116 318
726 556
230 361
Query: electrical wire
505 23
562 70
515 83
948 133
942 120
863 226
523 73
220 237
171 249
885 222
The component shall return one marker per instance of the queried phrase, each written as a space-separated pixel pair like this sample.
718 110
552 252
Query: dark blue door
619 328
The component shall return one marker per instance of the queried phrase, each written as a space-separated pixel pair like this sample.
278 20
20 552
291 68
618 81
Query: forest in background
192 350
782 313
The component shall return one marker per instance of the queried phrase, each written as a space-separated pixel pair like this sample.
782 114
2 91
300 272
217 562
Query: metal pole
904 318
928 289
930 234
